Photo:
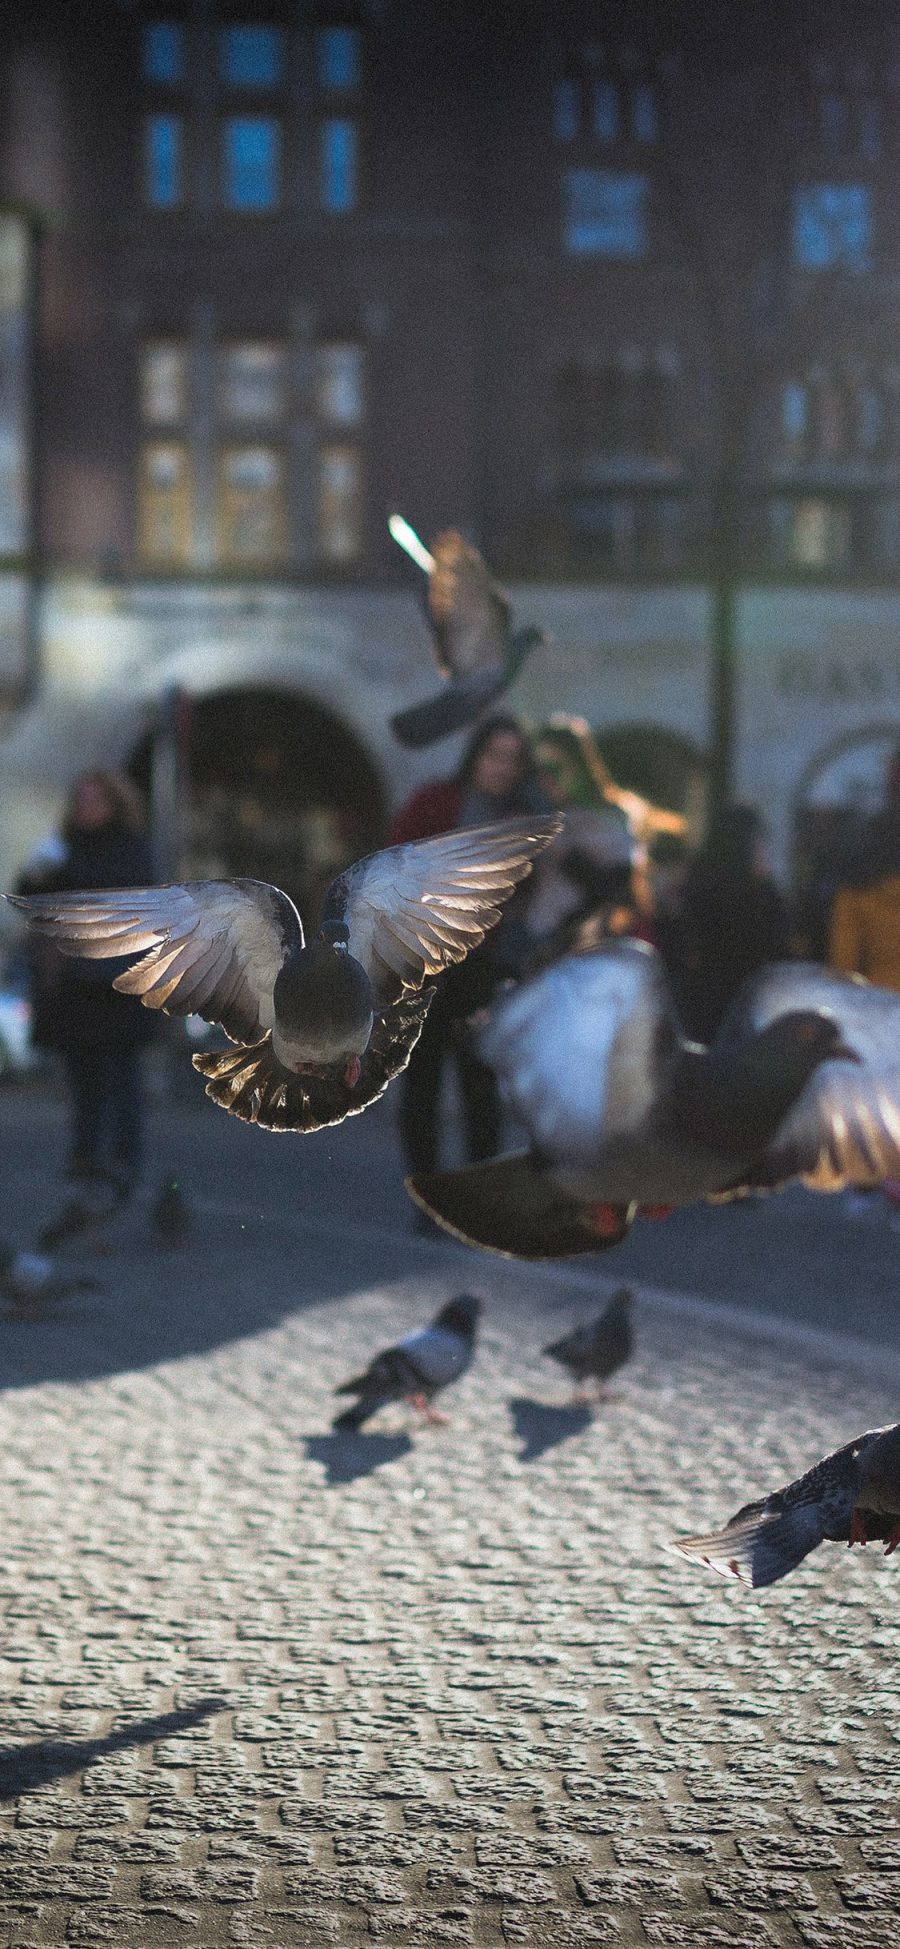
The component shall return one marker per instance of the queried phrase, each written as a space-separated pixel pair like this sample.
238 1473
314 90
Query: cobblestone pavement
264 1685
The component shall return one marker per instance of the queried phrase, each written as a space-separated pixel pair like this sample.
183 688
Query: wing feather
414 910
208 947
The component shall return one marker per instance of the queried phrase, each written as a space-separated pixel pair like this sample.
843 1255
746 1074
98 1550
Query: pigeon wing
413 910
579 1052
844 1127
253 1085
209 947
436 1356
468 613
767 1539
458 703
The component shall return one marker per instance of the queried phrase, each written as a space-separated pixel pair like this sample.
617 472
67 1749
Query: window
339 58
339 504
566 110
870 123
819 534
339 165
605 214
794 418
833 226
251 505
162 53
252 376
251 57
643 112
163 161
252 162
163 380
164 504
339 383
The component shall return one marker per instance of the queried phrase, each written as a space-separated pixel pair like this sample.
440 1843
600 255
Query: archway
278 789
835 797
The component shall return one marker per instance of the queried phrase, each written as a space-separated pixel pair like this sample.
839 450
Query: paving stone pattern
266 1686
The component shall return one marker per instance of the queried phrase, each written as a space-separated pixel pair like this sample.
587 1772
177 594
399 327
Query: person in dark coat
494 781
732 920
76 1011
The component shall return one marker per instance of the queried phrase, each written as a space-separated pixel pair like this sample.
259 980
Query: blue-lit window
833 226
643 112
339 58
566 110
162 53
339 158
870 128
795 414
251 57
163 160
252 162
606 111
605 214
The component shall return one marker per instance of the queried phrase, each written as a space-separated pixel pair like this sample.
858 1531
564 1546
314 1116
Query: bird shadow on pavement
540 1426
23 1768
349 1454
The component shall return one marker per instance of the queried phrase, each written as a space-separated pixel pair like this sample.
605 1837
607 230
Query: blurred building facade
615 291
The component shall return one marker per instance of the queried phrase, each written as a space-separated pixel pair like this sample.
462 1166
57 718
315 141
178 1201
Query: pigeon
169 1215
30 1281
623 1115
599 1348
320 1029
853 1496
474 648
418 1367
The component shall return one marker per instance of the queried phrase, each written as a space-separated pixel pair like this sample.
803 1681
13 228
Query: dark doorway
278 790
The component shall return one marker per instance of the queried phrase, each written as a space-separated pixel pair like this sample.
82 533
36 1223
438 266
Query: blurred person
732 920
592 883
864 932
98 1032
494 780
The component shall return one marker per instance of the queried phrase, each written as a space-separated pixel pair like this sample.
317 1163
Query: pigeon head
324 1007
798 1041
460 1315
334 933
621 1301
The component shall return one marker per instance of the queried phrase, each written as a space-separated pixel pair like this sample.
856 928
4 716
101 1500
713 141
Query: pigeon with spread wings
474 648
623 1116
321 1029
853 1496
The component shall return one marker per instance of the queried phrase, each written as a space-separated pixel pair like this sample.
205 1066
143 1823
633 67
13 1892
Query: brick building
614 290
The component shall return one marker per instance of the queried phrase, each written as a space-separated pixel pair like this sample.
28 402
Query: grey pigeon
475 649
322 1028
30 1281
418 1367
597 1350
801 1082
853 1496
170 1217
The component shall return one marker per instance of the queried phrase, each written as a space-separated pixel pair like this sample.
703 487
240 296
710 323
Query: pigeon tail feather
760 1545
253 1085
509 1205
459 703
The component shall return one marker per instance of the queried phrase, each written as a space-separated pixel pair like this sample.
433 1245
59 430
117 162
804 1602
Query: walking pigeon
418 1367
31 1281
321 1029
599 1348
801 1082
853 1496
169 1215
474 648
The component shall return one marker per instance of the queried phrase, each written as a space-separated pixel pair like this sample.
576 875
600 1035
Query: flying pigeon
801 1082
418 1367
597 1349
321 1029
853 1496
474 647
30 1281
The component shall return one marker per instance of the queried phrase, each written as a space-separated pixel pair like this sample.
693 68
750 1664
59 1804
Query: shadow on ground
24 1768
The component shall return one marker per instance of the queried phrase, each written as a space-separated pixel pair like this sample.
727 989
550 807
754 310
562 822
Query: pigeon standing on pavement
598 1349
853 1496
623 1116
474 648
170 1217
322 1028
418 1367
31 1281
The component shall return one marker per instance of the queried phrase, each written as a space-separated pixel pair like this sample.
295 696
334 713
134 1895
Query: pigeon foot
857 1531
432 1416
893 1540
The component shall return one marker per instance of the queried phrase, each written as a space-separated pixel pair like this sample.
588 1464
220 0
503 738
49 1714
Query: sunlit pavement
267 1685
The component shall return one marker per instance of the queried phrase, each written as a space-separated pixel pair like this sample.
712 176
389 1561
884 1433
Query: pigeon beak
843 1053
